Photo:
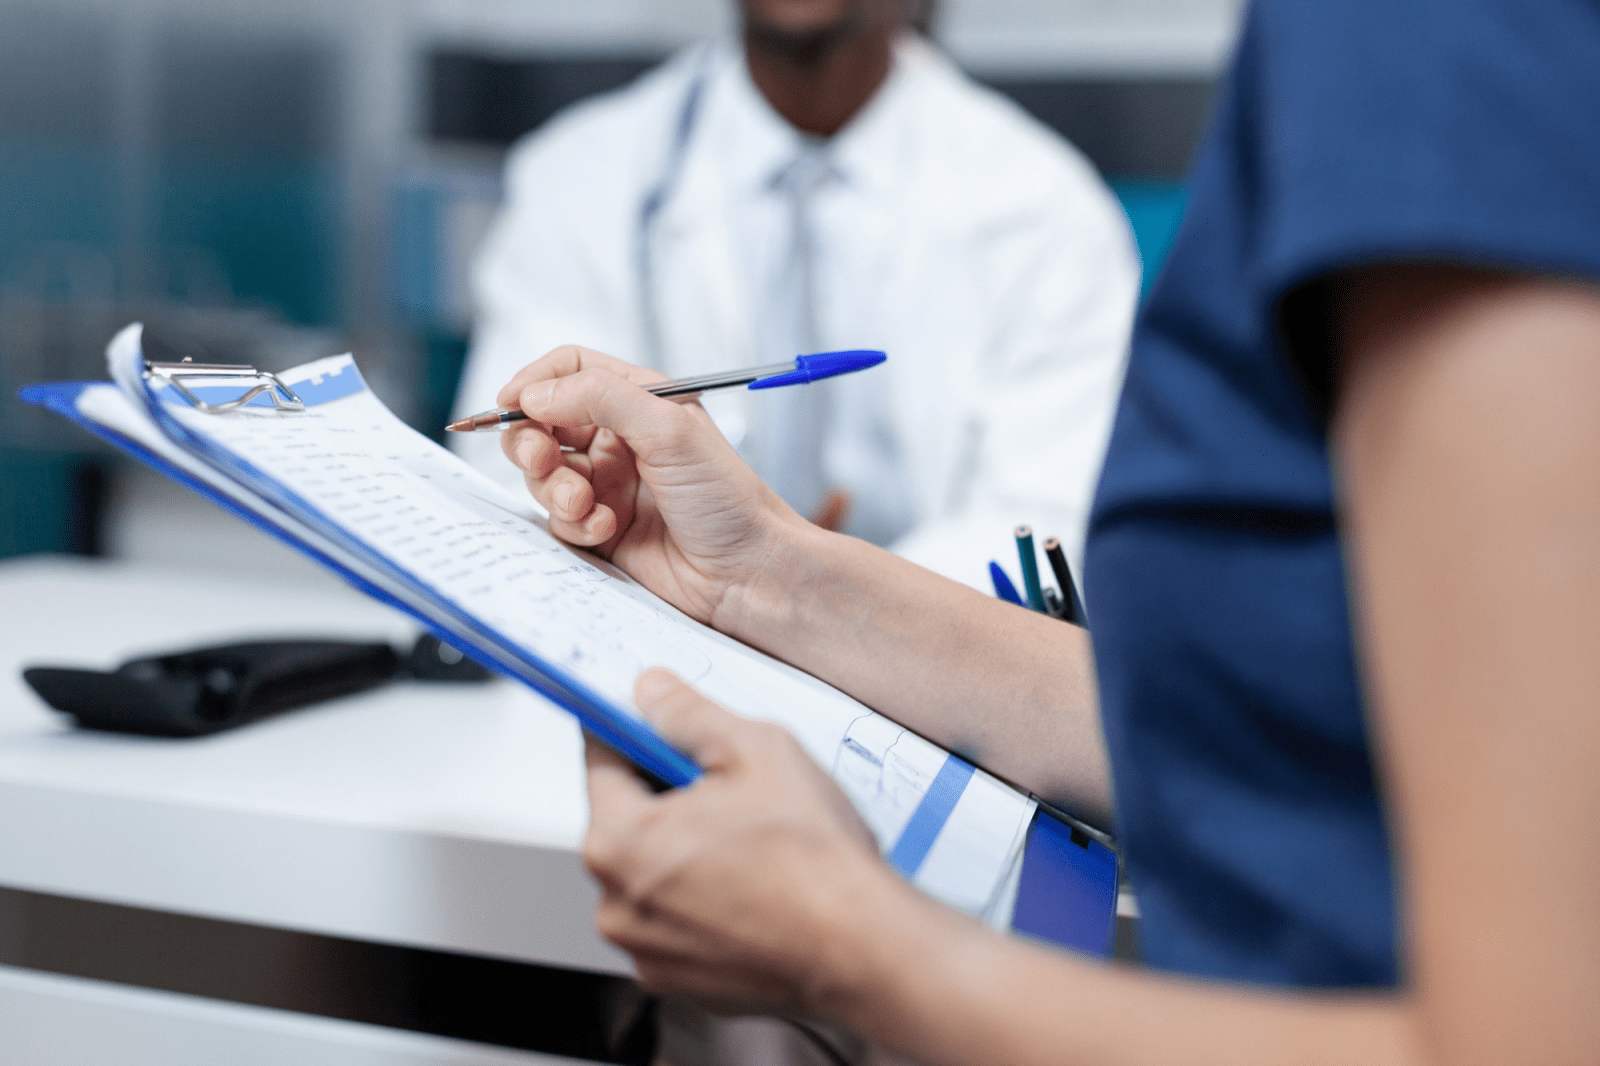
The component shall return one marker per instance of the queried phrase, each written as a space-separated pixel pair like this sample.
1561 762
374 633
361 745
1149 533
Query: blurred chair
1155 210
50 502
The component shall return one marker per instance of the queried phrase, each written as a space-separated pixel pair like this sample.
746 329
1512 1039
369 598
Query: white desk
429 816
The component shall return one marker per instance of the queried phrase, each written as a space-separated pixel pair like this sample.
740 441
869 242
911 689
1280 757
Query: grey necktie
793 421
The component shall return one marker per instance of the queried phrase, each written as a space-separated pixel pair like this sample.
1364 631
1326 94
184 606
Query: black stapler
206 690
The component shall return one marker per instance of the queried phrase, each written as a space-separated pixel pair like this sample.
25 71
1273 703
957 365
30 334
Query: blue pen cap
809 368
1003 588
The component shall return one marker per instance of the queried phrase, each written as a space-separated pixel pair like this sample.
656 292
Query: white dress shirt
954 232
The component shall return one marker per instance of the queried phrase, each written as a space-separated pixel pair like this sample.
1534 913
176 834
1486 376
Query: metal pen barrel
723 380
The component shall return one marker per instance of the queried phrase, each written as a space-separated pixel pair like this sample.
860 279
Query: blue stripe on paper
928 820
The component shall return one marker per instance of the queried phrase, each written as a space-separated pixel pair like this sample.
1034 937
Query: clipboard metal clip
283 397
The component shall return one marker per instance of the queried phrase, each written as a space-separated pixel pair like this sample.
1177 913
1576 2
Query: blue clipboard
631 737
1068 887
1068 892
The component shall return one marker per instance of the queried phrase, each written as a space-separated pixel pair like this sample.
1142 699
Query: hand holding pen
653 486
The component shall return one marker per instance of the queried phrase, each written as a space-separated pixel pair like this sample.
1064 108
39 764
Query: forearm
975 997
1010 688
666 496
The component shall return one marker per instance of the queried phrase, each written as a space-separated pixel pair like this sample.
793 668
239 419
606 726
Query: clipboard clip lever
258 382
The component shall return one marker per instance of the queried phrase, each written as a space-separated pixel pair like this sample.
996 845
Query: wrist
767 601
854 923
895 965
867 925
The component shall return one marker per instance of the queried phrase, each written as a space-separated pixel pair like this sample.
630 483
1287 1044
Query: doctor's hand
747 890
648 482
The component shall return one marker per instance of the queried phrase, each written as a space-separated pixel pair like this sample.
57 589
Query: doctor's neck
819 61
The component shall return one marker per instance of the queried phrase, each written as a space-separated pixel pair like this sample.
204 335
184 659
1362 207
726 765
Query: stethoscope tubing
657 198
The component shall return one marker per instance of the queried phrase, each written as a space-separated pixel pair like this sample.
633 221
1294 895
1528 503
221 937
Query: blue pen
803 370
1003 587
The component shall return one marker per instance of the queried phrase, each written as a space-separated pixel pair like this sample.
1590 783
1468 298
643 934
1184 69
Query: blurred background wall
291 179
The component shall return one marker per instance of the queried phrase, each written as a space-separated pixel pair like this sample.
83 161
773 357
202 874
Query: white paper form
484 550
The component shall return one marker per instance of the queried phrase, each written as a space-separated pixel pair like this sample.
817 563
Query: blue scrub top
1348 133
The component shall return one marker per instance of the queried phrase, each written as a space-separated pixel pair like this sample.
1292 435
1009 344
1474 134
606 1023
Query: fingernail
563 497
525 455
653 685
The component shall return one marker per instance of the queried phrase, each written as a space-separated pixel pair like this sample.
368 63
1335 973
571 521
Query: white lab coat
971 243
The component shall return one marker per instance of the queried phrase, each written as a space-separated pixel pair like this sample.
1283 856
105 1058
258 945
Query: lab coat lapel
702 297
916 295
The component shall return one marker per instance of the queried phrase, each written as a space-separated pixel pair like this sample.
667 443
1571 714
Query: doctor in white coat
833 181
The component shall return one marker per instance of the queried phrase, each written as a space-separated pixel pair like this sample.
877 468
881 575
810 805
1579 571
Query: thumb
686 718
